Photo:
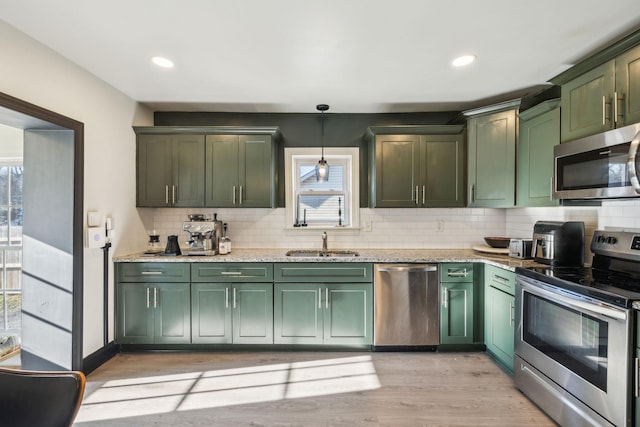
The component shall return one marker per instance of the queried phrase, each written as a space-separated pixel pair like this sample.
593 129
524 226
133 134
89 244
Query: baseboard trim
99 357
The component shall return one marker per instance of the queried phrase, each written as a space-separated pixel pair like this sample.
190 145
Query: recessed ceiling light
162 62
463 60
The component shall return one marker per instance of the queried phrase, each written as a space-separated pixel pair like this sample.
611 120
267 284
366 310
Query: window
333 203
11 174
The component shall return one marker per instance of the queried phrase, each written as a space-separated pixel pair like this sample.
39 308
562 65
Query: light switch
94 219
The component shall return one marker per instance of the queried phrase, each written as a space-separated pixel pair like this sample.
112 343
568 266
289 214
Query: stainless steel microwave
602 166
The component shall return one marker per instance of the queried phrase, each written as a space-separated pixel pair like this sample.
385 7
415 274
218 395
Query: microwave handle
632 161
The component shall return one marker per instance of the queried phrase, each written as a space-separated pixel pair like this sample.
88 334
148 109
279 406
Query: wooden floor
304 389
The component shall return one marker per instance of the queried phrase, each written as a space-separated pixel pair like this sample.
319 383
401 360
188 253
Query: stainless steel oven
606 165
574 337
572 355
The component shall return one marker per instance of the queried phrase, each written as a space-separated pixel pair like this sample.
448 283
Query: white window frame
352 203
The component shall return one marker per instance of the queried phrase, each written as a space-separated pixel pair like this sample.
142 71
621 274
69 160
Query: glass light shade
322 171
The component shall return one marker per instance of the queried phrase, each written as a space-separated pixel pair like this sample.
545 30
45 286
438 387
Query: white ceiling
359 56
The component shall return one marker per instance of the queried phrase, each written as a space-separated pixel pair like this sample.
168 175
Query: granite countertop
365 255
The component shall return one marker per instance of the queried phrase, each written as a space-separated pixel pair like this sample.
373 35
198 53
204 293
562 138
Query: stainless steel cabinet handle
457 273
173 194
226 297
166 194
155 297
234 298
319 297
637 375
445 297
231 273
148 301
424 200
512 313
500 279
472 196
234 194
551 189
417 199
241 194
604 110
407 267
326 297
151 273
615 107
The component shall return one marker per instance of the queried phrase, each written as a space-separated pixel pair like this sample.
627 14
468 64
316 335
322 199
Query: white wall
36 74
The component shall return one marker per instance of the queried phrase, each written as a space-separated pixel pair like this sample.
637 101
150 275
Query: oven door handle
579 305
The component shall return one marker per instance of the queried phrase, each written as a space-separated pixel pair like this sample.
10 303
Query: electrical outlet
439 226
367 226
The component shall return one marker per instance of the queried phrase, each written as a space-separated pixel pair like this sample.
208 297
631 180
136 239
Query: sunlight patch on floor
201 390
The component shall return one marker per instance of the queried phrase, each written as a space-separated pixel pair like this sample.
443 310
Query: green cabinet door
396 171
211 321
348 314
187 166
492 159
499 325
586 103
153 313
456 313
628 87
154 177
256 170
298 313
240 171
252 313
441 171
539 133
222 157
170 170
172 311
134 316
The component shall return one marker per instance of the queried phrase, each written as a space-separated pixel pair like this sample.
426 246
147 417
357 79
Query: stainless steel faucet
324 241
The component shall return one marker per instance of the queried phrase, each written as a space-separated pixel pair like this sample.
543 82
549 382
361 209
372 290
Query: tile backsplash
397 228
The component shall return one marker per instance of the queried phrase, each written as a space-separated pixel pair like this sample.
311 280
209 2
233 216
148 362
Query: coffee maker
558 243
204 236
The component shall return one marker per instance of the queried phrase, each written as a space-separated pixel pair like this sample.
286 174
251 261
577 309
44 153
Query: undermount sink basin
326 254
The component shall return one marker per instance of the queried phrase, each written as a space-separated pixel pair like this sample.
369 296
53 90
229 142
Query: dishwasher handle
407 267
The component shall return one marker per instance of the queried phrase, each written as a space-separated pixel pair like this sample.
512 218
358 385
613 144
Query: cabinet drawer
323 272
153 272
500 278
456 272
231 272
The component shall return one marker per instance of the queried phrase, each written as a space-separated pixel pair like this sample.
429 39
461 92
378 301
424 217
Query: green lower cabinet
320 313
499 307
456 313
499 325
225 313
153 313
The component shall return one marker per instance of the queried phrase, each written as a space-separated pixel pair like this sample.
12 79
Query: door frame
33 111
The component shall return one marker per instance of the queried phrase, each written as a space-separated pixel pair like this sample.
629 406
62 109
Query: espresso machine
204 235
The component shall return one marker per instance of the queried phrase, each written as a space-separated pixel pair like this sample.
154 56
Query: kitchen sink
327 254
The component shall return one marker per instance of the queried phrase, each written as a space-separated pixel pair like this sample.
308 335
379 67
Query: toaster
520 248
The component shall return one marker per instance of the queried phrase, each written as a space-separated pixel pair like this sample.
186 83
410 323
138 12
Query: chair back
38 398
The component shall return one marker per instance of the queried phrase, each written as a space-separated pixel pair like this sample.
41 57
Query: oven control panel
618 244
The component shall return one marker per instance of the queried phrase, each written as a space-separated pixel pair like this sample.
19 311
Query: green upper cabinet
628 87
212 166
539 132
241 171
492 155
416 166
599 95
170 170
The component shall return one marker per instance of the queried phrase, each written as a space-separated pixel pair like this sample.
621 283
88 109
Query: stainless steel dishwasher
406 311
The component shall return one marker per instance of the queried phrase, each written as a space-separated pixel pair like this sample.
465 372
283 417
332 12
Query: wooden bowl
498 242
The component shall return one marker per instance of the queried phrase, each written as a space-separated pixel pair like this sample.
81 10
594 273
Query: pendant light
322 168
